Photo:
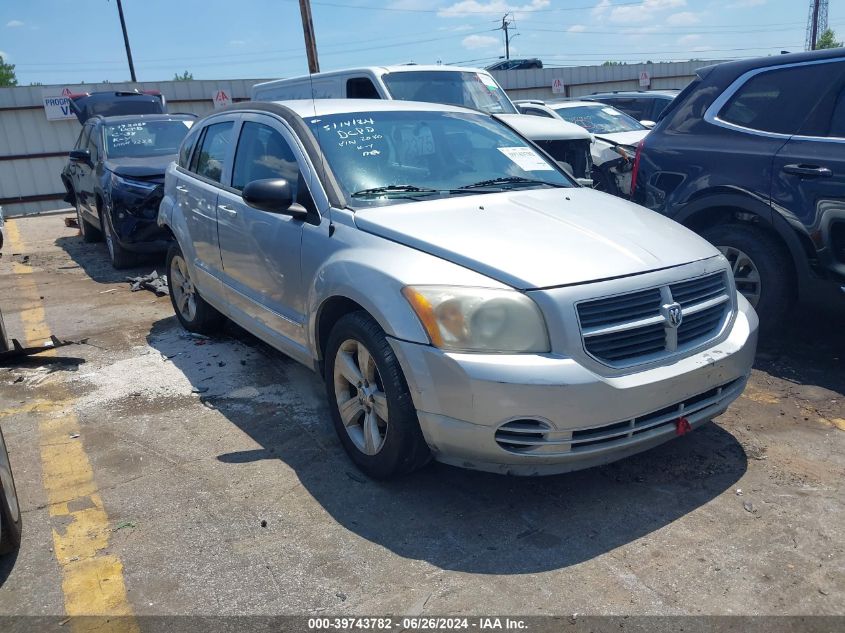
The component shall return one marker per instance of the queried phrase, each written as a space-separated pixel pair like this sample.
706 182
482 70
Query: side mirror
80 156
647 123
274 196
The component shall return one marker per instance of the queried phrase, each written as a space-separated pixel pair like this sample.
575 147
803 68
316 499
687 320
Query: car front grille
538 437
637 327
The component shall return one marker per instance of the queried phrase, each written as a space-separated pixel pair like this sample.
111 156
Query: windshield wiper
394 189
510 180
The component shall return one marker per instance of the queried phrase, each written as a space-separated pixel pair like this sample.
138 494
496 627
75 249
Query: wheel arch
708 211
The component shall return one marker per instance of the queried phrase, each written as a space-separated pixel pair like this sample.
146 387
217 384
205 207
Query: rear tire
762 269
193 312
378 428
119 256
89 232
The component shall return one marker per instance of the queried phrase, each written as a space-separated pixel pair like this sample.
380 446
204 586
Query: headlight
140 186
479 319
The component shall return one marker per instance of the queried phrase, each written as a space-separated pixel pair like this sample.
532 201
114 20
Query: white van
473 88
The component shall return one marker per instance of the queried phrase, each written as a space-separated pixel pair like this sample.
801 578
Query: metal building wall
583 80
33 150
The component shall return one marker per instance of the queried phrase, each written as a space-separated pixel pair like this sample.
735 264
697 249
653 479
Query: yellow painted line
36 406
92 578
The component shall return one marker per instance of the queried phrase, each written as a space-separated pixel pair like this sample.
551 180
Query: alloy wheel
182 287
360 397
745 272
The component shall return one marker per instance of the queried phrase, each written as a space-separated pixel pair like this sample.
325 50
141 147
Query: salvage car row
445 270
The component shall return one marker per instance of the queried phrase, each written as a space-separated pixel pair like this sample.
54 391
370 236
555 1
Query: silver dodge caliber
462 297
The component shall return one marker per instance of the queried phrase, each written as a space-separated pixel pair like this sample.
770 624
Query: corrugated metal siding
27 131
583 80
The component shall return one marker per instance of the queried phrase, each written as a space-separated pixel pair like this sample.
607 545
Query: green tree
7 74
186 76
828 40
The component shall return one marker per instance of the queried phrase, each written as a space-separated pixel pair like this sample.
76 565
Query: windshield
600 119
144 138
478 91
395 156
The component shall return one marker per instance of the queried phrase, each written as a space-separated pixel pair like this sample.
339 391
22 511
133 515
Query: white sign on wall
57 103
221 99
645 79
558 87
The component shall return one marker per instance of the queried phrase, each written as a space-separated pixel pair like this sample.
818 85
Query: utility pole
505 25
815 34
310 40
126 42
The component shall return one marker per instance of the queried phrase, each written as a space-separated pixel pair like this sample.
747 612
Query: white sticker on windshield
526 158
611 111
188 124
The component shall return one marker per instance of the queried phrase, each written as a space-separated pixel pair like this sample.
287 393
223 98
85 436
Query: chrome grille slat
625 329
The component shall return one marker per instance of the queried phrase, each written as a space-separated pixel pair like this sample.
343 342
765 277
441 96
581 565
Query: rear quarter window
187 148
778 101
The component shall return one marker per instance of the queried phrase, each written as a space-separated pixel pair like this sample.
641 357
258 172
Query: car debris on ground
153 282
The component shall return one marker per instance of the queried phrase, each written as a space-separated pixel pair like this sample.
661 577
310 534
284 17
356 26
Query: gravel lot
227 492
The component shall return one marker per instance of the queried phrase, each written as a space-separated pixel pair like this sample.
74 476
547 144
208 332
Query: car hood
140 166
539 238
542 129
624 138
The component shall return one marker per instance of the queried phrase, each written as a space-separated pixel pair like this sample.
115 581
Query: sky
63 42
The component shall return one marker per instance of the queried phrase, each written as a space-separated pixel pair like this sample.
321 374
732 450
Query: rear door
196 196
261 250
809 170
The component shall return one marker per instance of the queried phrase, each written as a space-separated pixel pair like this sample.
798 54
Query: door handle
808 171
182 188
227 209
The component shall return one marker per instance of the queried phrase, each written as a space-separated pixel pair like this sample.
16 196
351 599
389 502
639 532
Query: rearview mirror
647 123
80 156
273 195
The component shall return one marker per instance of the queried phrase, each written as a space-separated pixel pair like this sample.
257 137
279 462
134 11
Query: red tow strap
682 426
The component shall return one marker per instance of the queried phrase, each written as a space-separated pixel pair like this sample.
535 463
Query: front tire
191 309
370 403
119 256
10 512
762 269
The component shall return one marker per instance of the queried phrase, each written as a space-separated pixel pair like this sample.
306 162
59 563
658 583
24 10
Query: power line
461 12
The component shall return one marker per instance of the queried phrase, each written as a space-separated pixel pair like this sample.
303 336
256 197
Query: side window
778 100
659 107
837 119
96 131
187 147
361 88
212 153
264 153
82 139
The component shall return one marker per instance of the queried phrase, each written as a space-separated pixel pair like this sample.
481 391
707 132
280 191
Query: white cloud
576 28
474 42
684 18
745 4
473 8
12 24
643 12
689 40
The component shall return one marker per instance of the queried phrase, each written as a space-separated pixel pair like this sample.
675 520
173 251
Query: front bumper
583 418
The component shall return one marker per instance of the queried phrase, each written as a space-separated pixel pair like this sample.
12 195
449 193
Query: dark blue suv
751 155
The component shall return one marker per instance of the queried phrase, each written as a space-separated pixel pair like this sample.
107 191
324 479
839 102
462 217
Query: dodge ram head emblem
673 315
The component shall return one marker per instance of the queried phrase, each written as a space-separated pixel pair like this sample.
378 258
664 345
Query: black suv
751 155
643 105
115 176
